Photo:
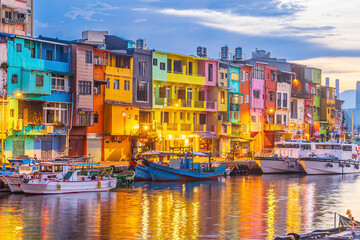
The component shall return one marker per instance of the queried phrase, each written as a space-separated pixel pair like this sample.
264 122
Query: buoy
99 184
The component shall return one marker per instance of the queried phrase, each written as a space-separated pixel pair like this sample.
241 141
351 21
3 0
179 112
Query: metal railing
185 127
210 128
172 126
199 104
199 128
211 105
186 103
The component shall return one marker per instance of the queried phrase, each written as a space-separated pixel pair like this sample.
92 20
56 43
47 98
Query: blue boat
186 170
142 173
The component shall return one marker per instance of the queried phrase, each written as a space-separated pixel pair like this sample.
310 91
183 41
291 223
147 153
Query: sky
319 33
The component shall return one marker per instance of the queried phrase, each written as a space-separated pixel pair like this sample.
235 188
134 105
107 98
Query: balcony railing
234 107
198 104
21 20
236 130
101 62
211 105
210 128
9 21
172 126
273 127
159 101
199 128
185 127
185 103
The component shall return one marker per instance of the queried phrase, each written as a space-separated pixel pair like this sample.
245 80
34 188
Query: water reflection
252 207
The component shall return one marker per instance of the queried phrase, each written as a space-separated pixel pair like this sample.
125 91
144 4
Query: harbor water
249 207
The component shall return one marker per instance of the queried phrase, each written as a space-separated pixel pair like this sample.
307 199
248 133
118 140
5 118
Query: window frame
84 87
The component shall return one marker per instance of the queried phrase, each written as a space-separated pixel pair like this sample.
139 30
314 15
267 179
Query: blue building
37 122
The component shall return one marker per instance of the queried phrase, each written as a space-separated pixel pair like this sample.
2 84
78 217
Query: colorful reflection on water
252 207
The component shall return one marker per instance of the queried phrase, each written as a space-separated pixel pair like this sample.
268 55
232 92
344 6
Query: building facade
17 17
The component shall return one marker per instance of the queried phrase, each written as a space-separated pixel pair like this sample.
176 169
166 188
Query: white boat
285 158
332 158
71 182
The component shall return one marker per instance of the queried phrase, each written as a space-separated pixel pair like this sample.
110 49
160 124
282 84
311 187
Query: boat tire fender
296 236
329 165
348 165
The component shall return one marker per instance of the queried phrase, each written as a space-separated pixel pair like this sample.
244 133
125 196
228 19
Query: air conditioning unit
116 138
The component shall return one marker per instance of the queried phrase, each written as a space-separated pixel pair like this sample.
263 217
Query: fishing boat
71 182
285 158
184 169
332 158
11 178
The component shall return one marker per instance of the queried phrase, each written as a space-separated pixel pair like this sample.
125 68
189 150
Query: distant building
17 17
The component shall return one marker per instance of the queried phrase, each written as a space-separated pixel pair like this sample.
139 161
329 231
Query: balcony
199 127
186 103
9 21
21 20
185 127
234 107
236 130
172 127
100 62
301 94
210 127
117 71
199 104
159 101
274 127
57 66
179 77
211 106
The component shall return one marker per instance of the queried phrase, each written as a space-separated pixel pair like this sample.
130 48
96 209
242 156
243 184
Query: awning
238 140
228 136
100 80
86 109
206 135
253 134
200 154
62 73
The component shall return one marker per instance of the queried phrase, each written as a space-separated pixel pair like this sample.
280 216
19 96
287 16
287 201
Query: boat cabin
294 149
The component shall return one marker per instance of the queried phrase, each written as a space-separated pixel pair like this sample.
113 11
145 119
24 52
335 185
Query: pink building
257 104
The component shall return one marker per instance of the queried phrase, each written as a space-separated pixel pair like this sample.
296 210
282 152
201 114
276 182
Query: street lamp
16 94
352 121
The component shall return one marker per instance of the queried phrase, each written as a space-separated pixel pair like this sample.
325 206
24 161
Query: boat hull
160 173
142 173
276 165
14 183
4 186
322 167
58 187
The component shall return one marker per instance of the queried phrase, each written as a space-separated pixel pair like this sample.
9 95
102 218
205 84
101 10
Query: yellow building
328 111
178 100
121 117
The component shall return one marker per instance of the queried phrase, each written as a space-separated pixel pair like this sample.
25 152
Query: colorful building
37 122
179 101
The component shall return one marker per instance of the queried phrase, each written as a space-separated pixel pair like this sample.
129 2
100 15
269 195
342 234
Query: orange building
95 133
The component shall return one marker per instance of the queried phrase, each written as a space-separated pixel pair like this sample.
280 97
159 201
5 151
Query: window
162 66
279 100
188 116
247 99
88 56
175 89
243 77
210 72
155 62
256 94
284 122
39 80
142 68
142 91
270 119
12 111
108 83
126 85
32 52
169 67
181 116
222 97
18 47
56 112
59 83
8 14
14 78
85 87
253 118
273 75
222 76
116 84
49 55
236 115
285 100
268 76
226 76
259 72
97 88
178 66
313 90
309 109
278 119
84 118
271 96
96 118
190 68
241 99
247 76
235 76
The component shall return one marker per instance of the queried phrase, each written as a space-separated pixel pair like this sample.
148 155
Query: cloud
344 68
149 1
39 24
328 23
140 20
90 11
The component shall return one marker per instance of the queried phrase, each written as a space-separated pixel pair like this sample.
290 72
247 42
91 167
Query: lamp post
352 121
17 94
